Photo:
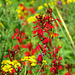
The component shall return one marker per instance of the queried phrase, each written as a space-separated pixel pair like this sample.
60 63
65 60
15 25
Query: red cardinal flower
29 72
60 67
39 58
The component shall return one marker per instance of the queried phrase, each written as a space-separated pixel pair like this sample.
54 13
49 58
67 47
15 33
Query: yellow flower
31 19
0 4
20 8
15 63
18 11
2 66
26 57
10 2
52 7
6 68
32 60
40 7
64 2
44 61
45 4
8 62
32 1
33 64
3 62
10 70
73 0
22 59
55 3
33 56
69 1
6 0
7 65
36 15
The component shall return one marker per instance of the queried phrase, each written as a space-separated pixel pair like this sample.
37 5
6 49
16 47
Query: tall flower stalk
44 29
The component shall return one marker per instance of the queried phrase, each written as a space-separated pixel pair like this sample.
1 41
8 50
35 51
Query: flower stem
25 68
40 68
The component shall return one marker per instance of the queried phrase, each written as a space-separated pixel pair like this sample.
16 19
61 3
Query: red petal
23 46
6 56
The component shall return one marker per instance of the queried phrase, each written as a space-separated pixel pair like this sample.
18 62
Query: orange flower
54 34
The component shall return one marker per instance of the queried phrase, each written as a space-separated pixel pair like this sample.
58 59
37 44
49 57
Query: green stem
40 68
25 68
62 30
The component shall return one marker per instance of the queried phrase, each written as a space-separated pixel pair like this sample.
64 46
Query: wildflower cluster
70 1
69 68
10 67
40 59
22 11
32 18
20 36
22 55
44 30
30 59
65 2
56 2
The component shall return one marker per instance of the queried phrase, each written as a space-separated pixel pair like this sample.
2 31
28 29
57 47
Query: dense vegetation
37 37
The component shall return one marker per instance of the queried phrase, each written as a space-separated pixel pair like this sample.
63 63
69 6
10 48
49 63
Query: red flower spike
14 35
3 73
27 53
44 25
29 72
54 61
39 58
33 12
47 66
16 47
24 63
37 48
16 30
67 73
60 58
34 32
19 68
45 40
21 17
31 9
49 11
53 69
24 8
23 46
34 51
21 5
60 67
11 53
